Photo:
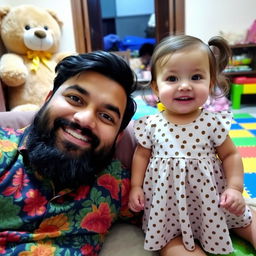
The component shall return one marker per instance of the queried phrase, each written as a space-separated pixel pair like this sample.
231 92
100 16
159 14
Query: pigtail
222 54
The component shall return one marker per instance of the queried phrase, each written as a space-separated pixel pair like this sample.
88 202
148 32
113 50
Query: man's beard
64 169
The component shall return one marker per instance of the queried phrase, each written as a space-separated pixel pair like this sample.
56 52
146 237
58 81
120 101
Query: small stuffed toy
31 36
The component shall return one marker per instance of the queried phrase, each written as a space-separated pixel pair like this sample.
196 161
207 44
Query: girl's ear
154 87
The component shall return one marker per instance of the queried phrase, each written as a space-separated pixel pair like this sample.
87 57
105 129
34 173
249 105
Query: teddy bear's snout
40 34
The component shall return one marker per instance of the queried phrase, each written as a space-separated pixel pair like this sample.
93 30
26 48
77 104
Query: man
60 190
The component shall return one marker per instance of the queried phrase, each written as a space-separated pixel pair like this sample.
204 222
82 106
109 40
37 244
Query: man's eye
107 117
172 79
74 98
196 77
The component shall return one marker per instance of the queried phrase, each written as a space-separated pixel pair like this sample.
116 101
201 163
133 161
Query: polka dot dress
184 181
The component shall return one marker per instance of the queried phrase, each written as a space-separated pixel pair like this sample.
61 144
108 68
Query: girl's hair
218 58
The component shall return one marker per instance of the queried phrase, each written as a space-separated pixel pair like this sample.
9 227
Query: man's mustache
63 123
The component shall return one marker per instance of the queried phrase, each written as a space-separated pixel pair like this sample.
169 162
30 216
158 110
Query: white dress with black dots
183 183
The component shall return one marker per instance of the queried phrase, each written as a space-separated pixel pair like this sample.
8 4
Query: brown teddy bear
31 36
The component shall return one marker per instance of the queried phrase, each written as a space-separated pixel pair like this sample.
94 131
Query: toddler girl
187 175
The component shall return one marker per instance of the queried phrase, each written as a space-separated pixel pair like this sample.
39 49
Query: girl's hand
233 201
136 199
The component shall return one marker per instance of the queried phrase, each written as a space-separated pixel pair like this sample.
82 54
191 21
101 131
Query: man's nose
86 118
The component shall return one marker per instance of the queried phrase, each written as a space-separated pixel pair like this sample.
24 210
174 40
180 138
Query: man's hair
105 63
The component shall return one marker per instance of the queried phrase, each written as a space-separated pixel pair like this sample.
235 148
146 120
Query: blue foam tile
253 132
245 120
250 183
236 127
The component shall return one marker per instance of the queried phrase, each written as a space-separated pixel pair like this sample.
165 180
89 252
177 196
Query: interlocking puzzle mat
243 134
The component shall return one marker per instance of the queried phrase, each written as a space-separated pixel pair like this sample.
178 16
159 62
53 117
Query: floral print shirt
35 221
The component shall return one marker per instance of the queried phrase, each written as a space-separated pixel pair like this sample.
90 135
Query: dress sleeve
223 123
142 131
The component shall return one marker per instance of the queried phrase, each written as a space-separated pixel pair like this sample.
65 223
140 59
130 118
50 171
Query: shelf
240 49
236 46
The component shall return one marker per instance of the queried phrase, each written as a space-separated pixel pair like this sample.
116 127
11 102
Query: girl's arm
232 198
139 166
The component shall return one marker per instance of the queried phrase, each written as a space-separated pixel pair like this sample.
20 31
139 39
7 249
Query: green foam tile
242 115
245 141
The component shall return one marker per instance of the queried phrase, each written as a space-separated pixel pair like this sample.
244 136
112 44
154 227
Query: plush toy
31 36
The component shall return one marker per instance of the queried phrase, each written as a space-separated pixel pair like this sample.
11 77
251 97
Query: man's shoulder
9 141
11 134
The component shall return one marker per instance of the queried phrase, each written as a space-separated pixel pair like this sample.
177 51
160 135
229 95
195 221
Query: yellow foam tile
245 194
249 164
248 126
240 133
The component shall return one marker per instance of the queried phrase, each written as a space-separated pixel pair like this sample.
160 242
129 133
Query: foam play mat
243 133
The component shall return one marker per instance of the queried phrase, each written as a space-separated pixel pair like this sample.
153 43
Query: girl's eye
172 79
107 117
196 77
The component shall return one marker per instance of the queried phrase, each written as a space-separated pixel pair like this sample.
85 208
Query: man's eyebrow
77 88
113 108
84 92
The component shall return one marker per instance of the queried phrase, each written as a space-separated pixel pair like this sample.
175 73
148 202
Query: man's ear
119 137
49 95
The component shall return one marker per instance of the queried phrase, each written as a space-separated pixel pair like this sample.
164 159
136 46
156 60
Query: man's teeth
76 135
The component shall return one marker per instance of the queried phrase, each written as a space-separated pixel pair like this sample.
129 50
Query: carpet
243 134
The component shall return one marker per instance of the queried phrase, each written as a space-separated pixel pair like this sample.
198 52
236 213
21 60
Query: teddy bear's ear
3 11
54 15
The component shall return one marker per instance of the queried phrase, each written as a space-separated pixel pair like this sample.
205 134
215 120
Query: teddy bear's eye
45 27
27 27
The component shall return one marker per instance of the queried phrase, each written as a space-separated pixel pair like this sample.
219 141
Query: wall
206 18
63 11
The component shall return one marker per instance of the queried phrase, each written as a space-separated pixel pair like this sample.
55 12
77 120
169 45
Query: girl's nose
184 85
86 118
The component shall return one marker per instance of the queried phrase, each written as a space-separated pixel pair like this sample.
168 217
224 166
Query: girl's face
183 81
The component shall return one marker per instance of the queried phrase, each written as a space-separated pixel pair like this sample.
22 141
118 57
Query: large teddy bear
31 36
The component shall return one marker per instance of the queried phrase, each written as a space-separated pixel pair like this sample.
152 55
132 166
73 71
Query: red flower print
99 220
110 183
19 181
35 203
87 250
5 237
81 193
125 191
2 178
10 131
2 249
